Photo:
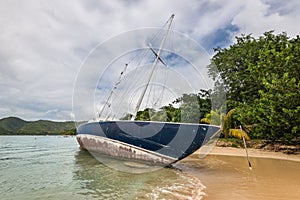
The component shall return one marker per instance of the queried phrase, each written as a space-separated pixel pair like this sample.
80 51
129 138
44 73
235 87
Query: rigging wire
141 57
112 91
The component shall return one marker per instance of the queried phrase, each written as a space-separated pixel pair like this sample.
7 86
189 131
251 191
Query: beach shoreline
252 152
225 173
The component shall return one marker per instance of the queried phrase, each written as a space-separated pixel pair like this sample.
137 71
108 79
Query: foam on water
185 187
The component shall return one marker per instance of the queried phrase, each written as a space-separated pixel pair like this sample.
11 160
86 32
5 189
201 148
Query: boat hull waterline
159 143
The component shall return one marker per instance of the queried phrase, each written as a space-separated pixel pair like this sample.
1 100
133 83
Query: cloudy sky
44 43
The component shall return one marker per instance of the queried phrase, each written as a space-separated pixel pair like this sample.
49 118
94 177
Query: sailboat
155 142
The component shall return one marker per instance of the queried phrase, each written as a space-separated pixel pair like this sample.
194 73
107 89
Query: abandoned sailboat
161 143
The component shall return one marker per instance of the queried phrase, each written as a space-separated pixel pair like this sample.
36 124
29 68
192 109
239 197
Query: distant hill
17 126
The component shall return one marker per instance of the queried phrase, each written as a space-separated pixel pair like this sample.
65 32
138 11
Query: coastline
252 152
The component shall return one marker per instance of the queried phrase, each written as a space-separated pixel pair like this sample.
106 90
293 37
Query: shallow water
53 167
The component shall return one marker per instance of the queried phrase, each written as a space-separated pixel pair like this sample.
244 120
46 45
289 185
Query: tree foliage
188 108
261 79
17 126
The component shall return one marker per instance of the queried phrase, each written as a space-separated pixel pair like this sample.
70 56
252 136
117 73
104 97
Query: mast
157 58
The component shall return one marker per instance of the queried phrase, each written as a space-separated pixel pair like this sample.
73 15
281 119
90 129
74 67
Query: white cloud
257 16
43 43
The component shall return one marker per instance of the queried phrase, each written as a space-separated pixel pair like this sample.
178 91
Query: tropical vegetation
260 78
261 81
187 108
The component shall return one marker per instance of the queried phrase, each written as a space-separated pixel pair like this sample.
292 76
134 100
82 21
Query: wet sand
226 174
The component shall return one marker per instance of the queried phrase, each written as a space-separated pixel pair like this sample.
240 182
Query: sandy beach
256 153
225 173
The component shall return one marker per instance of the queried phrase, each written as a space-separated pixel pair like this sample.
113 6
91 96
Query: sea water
54 167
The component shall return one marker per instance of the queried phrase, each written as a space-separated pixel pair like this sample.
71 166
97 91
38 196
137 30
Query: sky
44 43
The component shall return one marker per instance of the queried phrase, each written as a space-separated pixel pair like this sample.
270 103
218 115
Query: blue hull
172 140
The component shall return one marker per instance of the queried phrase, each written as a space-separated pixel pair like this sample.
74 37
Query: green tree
69 132
194 107
188 108
261 79
171 113
145 115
